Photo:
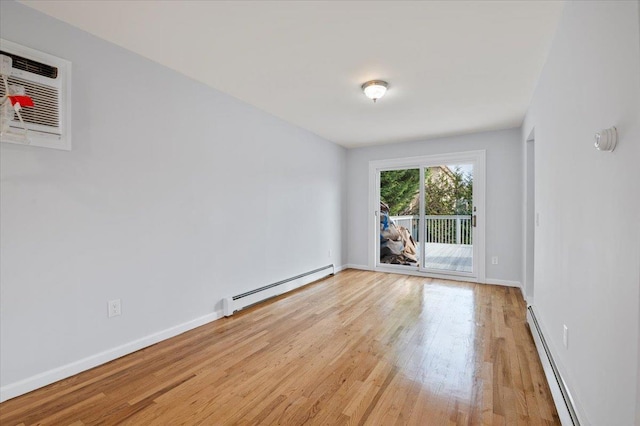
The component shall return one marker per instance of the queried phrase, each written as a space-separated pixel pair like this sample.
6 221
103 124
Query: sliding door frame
478 159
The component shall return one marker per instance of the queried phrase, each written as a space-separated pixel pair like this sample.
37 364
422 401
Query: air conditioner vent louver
46 79
32 66
47 112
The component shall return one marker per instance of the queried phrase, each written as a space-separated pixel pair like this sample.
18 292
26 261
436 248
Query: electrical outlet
115 308
329 254
565 336
494 260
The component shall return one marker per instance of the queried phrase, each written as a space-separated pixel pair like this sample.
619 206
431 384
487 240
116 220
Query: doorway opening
429 215
530 221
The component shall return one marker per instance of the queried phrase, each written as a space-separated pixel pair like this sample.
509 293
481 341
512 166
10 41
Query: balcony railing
450 229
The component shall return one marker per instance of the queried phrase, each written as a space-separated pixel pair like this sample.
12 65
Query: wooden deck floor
449 257
358 348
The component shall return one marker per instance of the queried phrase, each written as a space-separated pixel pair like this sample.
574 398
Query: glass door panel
399 214
448 218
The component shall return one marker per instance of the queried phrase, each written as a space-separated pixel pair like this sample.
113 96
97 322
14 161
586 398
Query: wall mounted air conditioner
47 80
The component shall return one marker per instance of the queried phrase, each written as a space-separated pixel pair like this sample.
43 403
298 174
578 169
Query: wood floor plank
359 348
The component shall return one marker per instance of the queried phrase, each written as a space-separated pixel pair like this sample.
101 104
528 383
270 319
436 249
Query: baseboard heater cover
233 304
561 396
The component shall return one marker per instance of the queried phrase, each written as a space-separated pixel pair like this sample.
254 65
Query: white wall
638 354
587 257
503 198
173 196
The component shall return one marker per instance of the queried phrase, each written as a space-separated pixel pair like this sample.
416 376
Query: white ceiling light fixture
375 89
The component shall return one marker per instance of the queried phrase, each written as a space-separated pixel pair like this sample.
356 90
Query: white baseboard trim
340 268
355 266
29 384
506 283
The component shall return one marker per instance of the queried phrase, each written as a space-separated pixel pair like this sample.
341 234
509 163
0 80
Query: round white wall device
607 139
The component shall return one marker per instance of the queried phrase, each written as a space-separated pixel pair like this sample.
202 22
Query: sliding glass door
448 204
428 215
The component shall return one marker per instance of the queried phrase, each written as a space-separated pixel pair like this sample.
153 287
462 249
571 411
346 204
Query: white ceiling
453 67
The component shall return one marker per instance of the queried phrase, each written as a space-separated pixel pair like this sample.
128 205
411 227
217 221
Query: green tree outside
447 192
398 188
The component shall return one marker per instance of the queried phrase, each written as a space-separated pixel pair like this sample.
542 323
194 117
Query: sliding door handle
473 220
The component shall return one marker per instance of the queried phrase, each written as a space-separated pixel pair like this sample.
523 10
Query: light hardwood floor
357 348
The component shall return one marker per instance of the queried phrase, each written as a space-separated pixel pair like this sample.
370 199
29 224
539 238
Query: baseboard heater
233 304
561 396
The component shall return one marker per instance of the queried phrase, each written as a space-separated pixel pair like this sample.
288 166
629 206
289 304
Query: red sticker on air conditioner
24 101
